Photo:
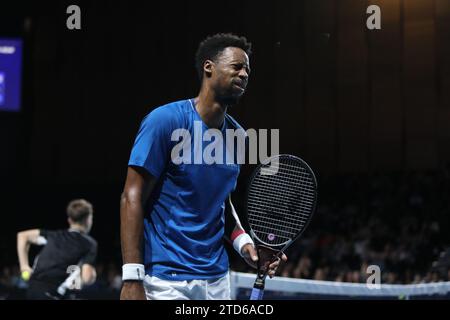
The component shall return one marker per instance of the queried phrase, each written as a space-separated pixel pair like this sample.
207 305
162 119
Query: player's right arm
138 186
24 240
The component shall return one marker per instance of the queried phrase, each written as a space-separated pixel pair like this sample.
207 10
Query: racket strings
259 205
280 203
305 183
267 187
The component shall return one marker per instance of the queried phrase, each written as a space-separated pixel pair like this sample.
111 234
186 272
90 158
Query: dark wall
345 98
93 87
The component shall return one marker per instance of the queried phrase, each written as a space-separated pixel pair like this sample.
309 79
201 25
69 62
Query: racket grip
257 294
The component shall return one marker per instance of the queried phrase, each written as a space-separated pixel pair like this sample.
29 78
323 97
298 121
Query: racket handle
257 294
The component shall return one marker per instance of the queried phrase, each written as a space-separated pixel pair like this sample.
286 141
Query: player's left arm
241 241
24 240
88 272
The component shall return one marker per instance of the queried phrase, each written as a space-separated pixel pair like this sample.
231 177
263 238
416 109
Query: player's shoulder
232 122
43 232
172 112
46 233
56 235
89 240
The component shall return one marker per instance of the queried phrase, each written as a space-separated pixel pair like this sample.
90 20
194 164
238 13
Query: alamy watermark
374 280
74 20
374 20
73 281
189 149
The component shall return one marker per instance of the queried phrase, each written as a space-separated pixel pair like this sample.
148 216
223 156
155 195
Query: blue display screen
10 74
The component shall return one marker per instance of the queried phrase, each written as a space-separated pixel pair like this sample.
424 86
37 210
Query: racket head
281 200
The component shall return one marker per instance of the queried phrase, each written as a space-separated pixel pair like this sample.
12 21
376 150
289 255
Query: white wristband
133 271
240 241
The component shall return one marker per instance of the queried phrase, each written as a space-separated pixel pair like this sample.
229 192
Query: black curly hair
212 46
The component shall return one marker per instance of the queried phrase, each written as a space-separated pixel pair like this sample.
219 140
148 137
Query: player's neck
78 228
210 109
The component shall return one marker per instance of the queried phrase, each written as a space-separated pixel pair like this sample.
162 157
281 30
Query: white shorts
215 289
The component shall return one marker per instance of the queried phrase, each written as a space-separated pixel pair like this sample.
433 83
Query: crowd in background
397 222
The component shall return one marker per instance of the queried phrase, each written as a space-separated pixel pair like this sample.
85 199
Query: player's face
230 74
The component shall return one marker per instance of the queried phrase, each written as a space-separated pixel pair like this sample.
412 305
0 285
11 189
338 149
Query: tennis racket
281 200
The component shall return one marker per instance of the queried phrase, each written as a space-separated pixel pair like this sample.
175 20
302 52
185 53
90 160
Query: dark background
348 100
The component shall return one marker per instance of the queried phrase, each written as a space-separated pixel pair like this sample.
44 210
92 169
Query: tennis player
173 215
64 251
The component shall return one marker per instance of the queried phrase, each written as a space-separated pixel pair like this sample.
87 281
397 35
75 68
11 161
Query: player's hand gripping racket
281 200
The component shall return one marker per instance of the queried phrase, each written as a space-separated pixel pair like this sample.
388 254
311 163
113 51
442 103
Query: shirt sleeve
151 149
45 233
91 255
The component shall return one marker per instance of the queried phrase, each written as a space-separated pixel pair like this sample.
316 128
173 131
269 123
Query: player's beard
230 98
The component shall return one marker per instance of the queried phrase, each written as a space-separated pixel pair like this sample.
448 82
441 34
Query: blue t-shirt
184 220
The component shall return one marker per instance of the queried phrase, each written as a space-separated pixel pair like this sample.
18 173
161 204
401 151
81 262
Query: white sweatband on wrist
133 271
240 241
